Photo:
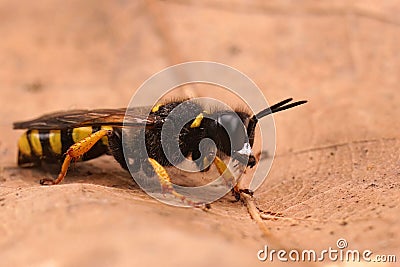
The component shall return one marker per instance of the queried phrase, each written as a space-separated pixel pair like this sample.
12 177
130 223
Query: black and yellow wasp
86 134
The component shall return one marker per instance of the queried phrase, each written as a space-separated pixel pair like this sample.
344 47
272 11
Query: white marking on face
246 150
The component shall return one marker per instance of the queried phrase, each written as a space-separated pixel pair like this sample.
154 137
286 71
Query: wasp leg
230 179
166 185
225 172
75 152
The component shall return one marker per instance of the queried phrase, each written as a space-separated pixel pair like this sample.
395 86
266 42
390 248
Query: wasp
66 136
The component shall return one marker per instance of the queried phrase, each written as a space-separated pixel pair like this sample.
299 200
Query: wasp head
233 132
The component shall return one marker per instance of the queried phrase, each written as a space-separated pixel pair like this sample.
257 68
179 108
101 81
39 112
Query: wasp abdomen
36 146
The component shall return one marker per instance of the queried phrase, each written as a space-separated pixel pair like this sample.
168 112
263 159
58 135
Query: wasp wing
95 117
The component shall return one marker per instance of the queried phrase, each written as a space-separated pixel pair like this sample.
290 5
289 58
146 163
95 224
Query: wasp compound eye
235 129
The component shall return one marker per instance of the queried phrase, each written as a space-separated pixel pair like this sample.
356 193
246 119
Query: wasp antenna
279 107
273 109
291 105
283 102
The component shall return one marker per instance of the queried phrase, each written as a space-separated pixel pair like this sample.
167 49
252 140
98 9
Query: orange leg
166 185
230 178
225 172
75 152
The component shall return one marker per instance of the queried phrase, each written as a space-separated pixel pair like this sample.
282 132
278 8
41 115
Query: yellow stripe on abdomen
23 145
36 146
104 140
81 133
55 141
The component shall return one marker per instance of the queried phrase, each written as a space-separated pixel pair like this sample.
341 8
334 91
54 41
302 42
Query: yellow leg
225 172
230 179
166 185
75 152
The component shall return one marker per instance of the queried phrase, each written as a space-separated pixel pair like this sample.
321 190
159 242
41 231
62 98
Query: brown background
336 172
